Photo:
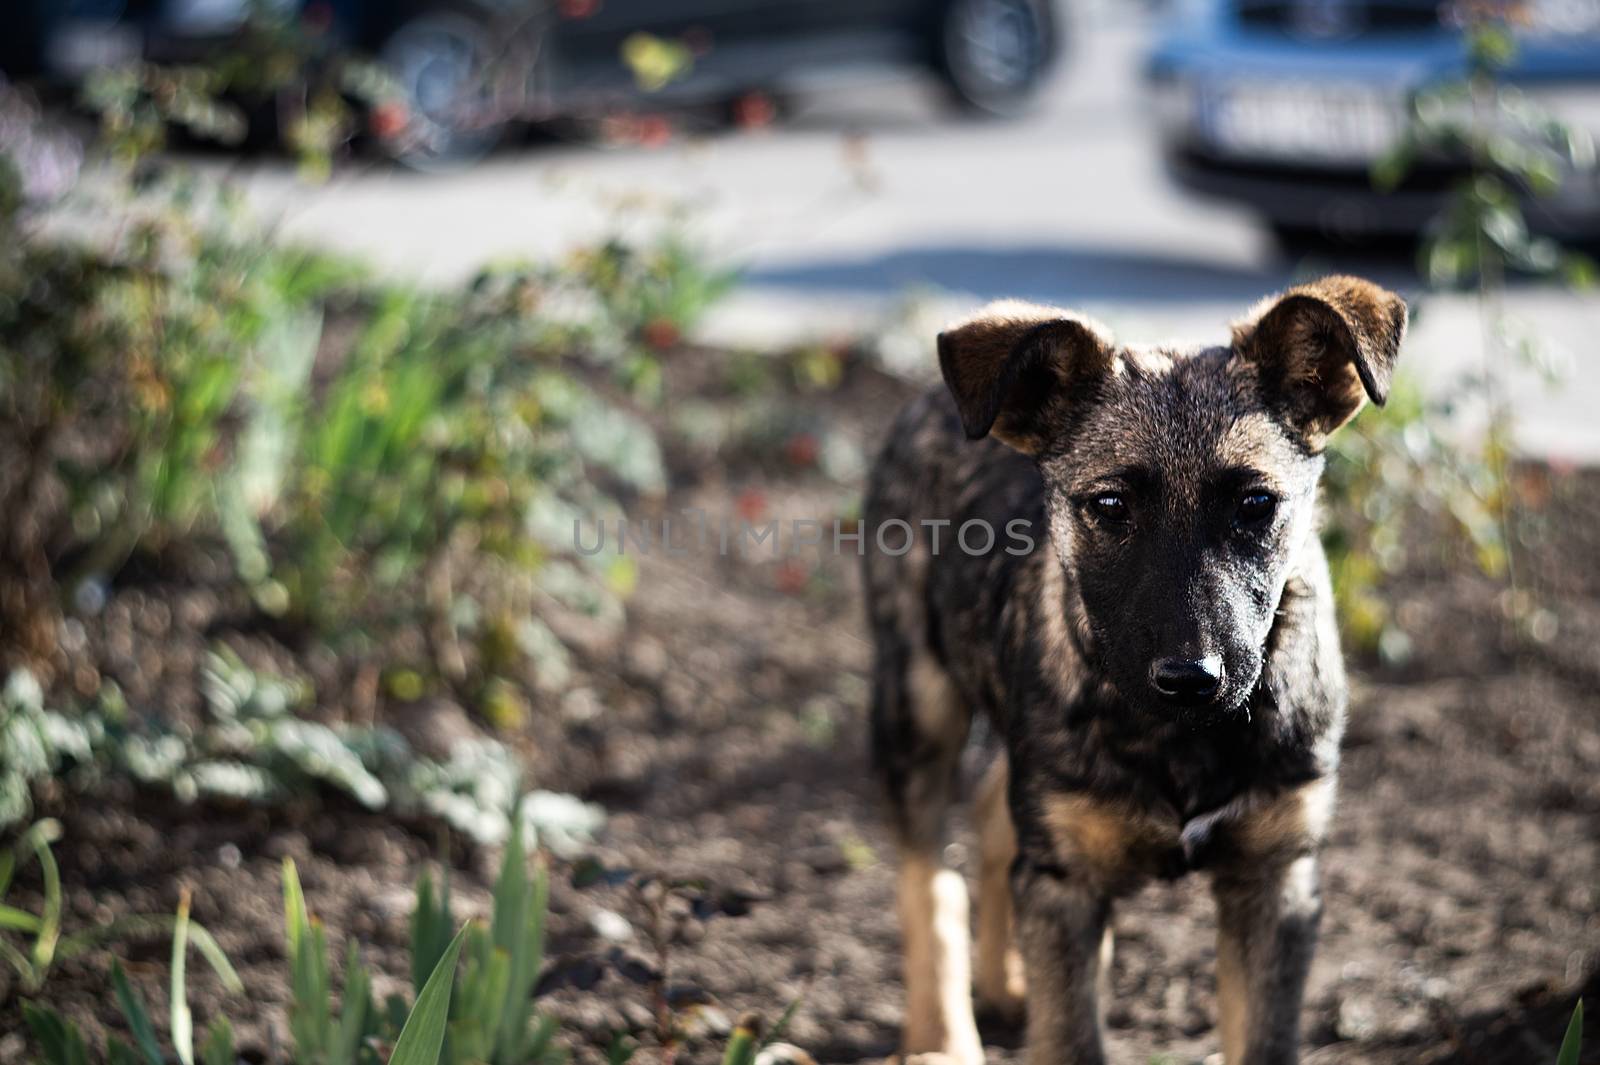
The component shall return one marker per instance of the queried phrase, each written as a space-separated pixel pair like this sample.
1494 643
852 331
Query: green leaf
60 1039
1573 1043
311 1007
182 1020
44 945
621 1049
218 1047
138 926
742 1044
538 1048
517 930
430 927
356 1003
783 1022
120 1053
18 961
144 1033
18 920
423 1035
294 908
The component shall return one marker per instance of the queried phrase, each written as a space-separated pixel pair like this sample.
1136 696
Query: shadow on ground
1086 272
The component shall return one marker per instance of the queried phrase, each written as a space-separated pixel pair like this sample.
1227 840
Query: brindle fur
1107 787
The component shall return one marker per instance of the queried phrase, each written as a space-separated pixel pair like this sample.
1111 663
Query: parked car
1282 106
470 68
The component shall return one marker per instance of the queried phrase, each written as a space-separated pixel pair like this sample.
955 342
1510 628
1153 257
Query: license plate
1296 122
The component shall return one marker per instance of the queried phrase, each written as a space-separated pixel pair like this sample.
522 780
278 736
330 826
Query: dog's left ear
1322 349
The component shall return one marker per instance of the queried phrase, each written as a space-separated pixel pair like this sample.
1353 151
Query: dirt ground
724 734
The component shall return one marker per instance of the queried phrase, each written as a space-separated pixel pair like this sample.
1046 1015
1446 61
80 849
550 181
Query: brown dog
1147 623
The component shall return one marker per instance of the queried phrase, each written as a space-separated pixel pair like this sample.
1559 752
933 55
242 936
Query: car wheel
994 53
441 61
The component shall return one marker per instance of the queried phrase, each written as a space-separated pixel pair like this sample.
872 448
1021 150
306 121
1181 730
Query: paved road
870 191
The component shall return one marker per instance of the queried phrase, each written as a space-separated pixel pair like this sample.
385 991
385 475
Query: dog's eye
1255 508
1110 506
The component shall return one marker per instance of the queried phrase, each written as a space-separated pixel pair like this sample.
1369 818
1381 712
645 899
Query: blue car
1284 105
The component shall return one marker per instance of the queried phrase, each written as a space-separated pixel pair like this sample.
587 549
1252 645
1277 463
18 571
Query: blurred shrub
1400 483
282 74
1404 494
254 748
164 378
31 944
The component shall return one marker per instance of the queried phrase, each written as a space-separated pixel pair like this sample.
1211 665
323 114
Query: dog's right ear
1012 364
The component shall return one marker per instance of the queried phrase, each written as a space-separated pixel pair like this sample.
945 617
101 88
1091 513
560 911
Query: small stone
610 925
647 658
1357 1019
637 1015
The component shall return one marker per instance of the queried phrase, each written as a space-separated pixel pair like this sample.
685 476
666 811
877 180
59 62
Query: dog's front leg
1266 933
1061 926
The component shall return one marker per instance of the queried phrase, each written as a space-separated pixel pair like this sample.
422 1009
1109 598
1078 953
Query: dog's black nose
1187 681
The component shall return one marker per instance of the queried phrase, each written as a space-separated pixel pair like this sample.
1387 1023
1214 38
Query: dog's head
1181 484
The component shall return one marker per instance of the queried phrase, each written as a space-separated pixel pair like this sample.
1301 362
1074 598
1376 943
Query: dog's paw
1000 988
1007 1006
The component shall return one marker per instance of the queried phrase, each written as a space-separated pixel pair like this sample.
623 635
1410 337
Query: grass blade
620 1052
430 927
44 946
783 1021
214 955
62 1041
744 1042
16 920
518 930
182 1019
294 907
539 1047
144 1033
218 1048
120 1053
357 1000
423 1035
1573 1043
142 925
17 960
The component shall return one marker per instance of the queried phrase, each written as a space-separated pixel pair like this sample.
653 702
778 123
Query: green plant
46 943
1404 462
321 1038
281 70
376 459
421 1030
423 1034
254 748
492 1019
1572 1043
483 1014
490 1014
63 1044
35 744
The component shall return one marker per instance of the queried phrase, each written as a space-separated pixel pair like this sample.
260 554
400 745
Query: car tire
439 56
994 54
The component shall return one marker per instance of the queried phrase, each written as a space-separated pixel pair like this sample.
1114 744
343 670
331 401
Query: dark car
469 68
1284 105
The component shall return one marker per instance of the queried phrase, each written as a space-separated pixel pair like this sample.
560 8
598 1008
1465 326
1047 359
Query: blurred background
327 328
